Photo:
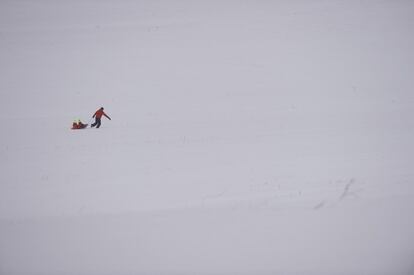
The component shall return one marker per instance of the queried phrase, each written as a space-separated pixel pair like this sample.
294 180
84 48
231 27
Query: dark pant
97 123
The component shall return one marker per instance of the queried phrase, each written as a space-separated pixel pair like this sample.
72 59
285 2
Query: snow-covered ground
247 137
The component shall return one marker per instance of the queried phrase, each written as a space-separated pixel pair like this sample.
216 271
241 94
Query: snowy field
247 137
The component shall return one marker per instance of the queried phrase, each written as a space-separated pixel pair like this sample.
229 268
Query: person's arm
94 115
107 116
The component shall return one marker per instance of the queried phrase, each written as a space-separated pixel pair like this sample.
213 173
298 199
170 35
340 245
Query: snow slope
247 137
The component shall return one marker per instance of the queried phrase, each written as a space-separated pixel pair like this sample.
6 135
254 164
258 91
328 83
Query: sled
78 127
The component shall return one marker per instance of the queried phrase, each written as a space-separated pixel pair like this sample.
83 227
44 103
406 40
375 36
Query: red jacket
100 113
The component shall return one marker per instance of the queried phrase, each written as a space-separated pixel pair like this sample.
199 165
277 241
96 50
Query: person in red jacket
98 115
